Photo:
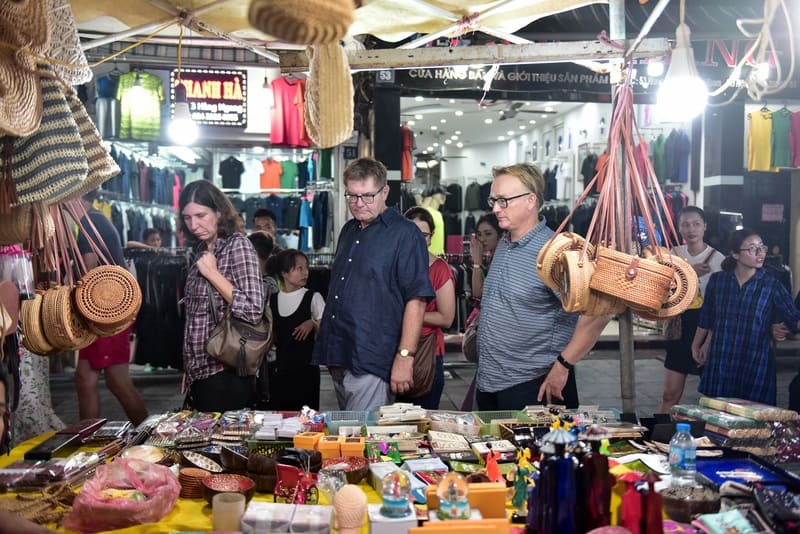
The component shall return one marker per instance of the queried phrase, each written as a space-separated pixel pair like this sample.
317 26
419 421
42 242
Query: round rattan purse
32 333
642 282
548 262
66 329
682 292
108 297
576 295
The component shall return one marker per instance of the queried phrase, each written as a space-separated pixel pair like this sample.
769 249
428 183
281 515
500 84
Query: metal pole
627 376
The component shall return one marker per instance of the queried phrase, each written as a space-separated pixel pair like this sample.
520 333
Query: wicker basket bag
576 295
66 329
32 326
638 281
108 297
682 292
548 262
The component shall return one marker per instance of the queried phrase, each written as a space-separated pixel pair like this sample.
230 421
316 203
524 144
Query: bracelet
568 366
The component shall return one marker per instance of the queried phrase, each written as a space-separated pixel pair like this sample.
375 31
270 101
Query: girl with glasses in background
740 305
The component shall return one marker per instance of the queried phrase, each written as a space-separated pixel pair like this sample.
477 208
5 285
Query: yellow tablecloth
187 515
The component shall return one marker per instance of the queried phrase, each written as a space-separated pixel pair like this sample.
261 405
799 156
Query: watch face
404 352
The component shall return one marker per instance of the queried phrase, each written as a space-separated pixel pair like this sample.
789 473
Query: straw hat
65 44
51 163
23 24
306 22
329 96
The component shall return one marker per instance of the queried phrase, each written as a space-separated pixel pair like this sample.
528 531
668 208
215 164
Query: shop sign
715 60
215 97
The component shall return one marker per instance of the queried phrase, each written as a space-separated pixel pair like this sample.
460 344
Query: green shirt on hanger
781 152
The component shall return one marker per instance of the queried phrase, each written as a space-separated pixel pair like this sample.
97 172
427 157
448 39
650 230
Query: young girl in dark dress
296 313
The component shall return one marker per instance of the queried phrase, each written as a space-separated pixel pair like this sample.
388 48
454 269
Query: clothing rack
112 196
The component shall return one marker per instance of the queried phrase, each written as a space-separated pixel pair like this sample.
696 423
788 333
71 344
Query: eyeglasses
503 202
426 234
755 250
366 198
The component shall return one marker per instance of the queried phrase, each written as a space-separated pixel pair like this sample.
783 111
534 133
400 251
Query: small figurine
349 509
453 502
492 467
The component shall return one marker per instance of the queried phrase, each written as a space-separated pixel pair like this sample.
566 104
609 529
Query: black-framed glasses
503 202
366 198
426 234
755 250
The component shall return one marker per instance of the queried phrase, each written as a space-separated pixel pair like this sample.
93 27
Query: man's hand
554 383
402 375
302 331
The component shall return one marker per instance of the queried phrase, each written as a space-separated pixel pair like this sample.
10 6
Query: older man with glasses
377 296
527 344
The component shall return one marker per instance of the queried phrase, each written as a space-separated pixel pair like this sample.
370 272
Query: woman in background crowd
440 310
227 263
481 248
705 260
733 334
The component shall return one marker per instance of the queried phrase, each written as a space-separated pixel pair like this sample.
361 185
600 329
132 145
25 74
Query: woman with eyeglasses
733 335
440 310
705 260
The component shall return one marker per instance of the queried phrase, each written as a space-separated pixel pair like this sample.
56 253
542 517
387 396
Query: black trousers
222 392
521 395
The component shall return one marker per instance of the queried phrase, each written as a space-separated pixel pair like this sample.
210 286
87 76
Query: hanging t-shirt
251 178
140 106
588 172
325 157
271 175
759 144
794 134
659 165
781 125
289 174
288 126
683 148
437 239
472 197
231 170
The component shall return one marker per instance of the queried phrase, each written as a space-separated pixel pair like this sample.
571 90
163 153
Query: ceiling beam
361 60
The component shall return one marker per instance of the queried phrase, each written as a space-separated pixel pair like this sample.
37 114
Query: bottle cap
683 427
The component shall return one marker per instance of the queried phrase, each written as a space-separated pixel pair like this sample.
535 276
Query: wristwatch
405 353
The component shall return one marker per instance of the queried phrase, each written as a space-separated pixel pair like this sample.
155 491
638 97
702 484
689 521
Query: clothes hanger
764 107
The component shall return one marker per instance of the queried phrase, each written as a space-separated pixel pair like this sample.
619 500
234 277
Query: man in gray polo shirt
527 343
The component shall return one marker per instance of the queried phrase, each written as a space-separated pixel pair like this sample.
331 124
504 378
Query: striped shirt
740 360
238 262
522 327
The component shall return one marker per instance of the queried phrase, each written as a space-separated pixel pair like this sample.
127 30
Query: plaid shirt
238 262
740 360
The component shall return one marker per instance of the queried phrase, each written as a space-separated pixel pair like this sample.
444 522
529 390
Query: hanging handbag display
238 343
424 366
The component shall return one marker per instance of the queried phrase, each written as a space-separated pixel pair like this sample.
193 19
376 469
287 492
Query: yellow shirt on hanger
759 144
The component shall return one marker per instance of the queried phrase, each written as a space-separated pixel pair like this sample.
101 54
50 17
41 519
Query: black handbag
238 343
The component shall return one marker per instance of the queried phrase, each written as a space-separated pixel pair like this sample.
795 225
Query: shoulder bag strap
211 302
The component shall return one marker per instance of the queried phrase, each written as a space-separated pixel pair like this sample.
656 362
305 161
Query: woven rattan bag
576 295
15 226
305 22
66 329
638 281
548 262
32 326
682 291
108 298
65 44
329 96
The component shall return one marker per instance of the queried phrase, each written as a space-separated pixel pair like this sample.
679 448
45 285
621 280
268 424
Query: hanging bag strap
211 304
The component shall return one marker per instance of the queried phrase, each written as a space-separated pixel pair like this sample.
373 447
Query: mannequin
432 201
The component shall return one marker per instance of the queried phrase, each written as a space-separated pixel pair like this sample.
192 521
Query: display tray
745 467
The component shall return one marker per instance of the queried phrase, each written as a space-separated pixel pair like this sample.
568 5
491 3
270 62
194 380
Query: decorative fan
514 107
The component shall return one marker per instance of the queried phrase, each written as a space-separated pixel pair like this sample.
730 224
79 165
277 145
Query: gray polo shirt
522 326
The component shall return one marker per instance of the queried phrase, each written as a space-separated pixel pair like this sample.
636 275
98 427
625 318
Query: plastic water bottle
682 456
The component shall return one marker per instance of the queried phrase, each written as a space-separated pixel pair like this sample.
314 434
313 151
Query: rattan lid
682 291
108 296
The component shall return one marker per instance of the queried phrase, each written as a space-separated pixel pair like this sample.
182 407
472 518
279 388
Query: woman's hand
207 264
476 250
700 353
302 331
701 269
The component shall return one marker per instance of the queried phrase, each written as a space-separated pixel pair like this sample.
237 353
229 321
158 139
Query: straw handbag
108 297
682 292
32 327
576 295
548 262
66 329
637 281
